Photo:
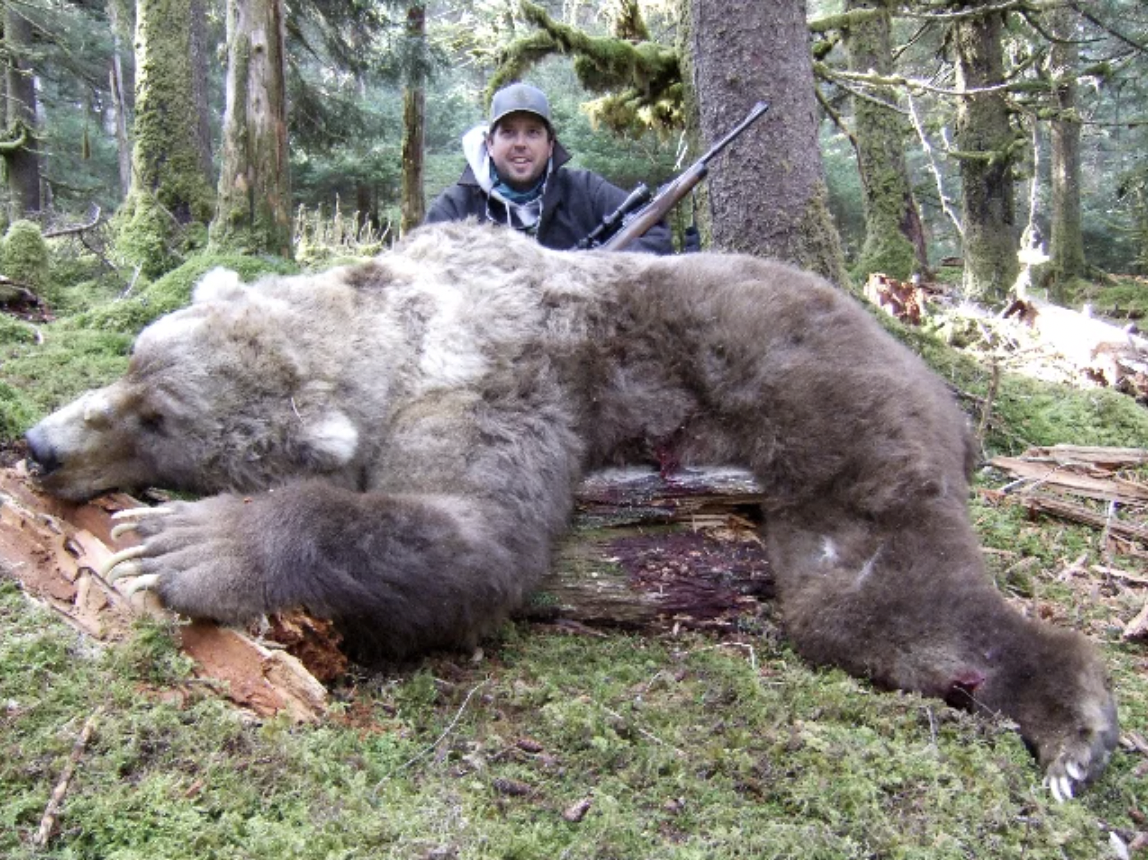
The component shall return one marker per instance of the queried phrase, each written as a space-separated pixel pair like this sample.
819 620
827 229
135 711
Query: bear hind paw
1078 763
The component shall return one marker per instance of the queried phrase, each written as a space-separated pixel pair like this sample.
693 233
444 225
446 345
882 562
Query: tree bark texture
987 148
254 201
1067 236
170 192
200 79
413 202
894 236
20 152
119 97
767 193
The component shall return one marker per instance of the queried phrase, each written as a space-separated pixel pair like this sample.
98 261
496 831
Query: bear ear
219 284
329 442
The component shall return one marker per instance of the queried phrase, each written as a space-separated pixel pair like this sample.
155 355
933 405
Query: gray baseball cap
519 98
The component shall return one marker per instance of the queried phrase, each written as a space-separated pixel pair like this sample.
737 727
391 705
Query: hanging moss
642 79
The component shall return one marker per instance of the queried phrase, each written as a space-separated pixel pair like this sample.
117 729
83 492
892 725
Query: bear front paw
192 556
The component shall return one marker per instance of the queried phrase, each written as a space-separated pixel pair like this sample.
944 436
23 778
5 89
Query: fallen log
646 553
1042 503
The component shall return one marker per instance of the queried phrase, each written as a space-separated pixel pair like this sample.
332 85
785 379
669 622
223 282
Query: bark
767 194
199 81
254 207
20 152
119 98
1067 237
987 151
894 236
171 201
413 202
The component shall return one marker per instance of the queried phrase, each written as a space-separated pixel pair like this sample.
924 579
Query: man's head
520 139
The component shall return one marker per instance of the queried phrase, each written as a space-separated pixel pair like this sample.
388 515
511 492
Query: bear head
218 396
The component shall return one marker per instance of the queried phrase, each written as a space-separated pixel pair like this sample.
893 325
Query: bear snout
42 458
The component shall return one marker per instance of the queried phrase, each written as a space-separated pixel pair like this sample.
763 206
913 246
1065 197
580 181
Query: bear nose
42 458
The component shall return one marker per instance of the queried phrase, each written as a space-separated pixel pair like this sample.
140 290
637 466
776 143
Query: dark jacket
574 203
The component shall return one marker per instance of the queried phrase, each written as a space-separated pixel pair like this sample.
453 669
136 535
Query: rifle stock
668 196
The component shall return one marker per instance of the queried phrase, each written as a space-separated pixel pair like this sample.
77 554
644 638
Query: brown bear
396 445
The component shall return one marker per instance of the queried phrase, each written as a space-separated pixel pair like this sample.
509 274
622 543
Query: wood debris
904 300
1054 480
54 549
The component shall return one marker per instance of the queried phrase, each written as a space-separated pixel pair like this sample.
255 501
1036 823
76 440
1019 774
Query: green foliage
17 412
172 291
25 258
39 377
322 241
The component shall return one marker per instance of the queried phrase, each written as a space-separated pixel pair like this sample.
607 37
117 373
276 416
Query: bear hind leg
909 606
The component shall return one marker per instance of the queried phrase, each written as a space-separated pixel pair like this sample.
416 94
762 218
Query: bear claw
140 583
1060 786
118 564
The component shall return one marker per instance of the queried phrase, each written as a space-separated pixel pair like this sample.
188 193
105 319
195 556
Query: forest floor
572 739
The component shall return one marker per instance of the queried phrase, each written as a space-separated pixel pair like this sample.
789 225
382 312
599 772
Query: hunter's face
520 147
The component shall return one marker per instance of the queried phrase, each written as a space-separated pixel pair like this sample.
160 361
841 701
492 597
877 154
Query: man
516 176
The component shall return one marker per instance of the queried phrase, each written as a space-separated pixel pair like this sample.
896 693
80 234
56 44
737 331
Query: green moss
173 291
40 376
25 258
17 412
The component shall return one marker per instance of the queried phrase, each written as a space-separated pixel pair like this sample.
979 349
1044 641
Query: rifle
635 226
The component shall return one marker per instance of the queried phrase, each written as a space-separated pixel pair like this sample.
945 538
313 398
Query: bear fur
396 446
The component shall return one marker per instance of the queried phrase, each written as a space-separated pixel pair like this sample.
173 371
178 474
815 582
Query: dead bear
395 445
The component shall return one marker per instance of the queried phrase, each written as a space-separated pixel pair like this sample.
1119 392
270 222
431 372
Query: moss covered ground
559 744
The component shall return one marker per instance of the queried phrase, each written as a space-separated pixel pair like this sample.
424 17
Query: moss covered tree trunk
19 147
171 200
988 149
767 192
254 212
894 236
1067 237
413 201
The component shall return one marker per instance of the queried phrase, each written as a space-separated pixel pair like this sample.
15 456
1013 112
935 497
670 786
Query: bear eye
153 422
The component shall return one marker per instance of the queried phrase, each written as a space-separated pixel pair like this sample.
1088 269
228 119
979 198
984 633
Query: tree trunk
170 195
413 202
200 77
119 99
254 212
19 149
987 152
767 193
894 237
1067 237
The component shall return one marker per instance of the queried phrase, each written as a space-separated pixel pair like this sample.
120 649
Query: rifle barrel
668 196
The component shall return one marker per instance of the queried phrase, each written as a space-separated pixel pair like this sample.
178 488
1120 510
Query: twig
445 732
641 731
933 167
1120 574
1108 520
987 409
51 812
71 231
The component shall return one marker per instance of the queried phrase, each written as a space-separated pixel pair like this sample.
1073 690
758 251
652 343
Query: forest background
901 138
361 107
